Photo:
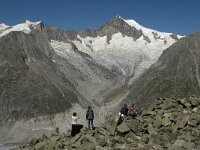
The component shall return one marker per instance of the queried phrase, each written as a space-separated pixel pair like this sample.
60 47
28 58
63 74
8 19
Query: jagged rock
145 139
183 144
166 121
123 128
195 109
88 146
74 139
116 121
187 104
181 123
148 113
129 140
110 128
102 142
149 119
195 132
134 125
151 130
56 138
184 102
44 136
171 130
141 146
34 141
169 104
194 101
121 146
40 146
160 112
100 148
102 131
158 121
66 143
192 122
179 143
157 147
186 136
90 138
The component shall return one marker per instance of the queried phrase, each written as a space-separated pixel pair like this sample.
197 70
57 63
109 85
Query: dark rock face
115 26
30 85
53 33
176 73
175 130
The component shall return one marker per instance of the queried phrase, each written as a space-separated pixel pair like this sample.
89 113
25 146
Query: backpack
132 111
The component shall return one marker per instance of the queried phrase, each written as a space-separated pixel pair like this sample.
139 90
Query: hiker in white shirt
74 124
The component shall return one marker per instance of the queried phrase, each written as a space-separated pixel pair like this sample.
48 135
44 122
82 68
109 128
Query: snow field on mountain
123 52
23 27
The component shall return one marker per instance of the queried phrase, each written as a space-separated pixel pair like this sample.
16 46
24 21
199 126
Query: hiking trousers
90 124
74 129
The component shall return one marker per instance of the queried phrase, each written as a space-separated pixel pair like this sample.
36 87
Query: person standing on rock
90 117
74 124
124 111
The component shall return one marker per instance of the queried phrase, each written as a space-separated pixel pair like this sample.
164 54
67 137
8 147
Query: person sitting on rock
90 117
124 111
74 124
132 111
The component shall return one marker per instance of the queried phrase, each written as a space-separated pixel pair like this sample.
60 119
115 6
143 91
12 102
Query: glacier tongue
130 57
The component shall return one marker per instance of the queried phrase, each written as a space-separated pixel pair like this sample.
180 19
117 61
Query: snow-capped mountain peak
3 25
152 34
32 23
25 27
122 44
134 24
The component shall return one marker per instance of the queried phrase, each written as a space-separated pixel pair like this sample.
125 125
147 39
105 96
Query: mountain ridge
69 70
176 73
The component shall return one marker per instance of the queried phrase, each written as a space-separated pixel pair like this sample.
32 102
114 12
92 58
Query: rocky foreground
167 124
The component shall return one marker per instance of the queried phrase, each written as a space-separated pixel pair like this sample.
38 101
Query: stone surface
123 128
171 130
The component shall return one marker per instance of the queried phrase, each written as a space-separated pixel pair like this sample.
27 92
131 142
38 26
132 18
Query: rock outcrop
167 124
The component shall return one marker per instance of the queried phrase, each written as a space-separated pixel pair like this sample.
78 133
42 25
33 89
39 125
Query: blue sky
177 16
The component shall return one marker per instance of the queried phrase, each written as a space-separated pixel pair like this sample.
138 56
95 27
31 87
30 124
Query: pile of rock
168 124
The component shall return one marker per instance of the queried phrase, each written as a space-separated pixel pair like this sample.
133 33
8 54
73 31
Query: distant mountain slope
90 65
176 73
30 84
47 73
111 56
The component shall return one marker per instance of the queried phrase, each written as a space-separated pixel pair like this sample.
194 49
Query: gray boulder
123 128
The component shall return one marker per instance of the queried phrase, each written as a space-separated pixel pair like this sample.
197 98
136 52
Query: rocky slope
110 57
172 124
175 73
31 84
46 73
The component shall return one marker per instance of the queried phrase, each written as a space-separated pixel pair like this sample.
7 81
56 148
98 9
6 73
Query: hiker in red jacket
132 111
